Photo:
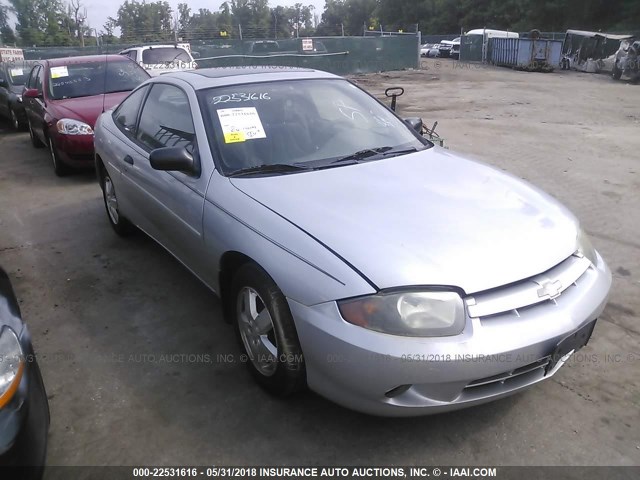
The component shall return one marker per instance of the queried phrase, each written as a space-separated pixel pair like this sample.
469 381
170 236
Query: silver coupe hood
429 218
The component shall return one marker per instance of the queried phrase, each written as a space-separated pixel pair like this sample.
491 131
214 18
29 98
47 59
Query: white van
489 33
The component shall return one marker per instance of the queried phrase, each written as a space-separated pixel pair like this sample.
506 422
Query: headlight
68 126
19 98
11 364
585 248
414 314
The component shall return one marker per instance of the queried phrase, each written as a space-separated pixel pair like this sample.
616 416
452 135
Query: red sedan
63 97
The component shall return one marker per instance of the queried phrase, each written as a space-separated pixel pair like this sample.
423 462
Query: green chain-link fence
340 55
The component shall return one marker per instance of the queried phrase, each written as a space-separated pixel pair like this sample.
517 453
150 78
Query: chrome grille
545 287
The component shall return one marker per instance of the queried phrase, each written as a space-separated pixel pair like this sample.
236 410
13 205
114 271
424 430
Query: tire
15 122
59 168
120 224
35 141
266 332
616 73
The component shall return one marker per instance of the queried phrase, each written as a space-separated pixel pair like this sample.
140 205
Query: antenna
104 83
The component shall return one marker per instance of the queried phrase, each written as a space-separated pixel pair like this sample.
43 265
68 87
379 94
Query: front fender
304 269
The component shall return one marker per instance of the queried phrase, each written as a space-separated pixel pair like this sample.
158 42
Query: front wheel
118 222
15 121
35 141
616 73
266 331
59 168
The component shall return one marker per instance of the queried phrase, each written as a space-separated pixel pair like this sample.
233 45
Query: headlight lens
11 365
585 247
19 98
68 126
413 314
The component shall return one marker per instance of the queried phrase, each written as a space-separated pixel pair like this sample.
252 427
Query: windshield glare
308 123
154 56
86 79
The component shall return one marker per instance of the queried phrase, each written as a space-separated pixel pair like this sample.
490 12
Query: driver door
170 202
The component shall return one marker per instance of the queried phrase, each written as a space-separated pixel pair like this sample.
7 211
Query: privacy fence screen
340 55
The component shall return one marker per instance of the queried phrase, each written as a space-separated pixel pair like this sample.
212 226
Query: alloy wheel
257 331
111 200
14 120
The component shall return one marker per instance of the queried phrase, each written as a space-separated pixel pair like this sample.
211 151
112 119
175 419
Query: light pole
275 28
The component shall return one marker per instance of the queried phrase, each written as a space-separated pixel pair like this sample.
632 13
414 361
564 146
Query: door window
39 80
126 114
33 77
166 119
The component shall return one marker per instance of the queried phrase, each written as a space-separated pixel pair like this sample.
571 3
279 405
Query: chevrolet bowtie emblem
549 289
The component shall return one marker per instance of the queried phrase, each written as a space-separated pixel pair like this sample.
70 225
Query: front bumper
24 422
75 150
389 375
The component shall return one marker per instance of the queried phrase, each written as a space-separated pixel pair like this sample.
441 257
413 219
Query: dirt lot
99 307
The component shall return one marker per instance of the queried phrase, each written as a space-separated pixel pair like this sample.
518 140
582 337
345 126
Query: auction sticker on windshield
240 124
59 72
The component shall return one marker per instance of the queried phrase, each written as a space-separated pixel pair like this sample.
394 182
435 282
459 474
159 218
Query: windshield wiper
273 168
362 155
399 151
371 152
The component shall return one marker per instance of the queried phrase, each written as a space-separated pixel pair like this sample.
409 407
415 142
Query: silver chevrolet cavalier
353 256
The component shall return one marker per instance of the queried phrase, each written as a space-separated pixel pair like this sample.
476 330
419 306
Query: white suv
159 59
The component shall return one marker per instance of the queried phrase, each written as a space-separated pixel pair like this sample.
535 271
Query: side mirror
31 93
3 83
174 159
415 123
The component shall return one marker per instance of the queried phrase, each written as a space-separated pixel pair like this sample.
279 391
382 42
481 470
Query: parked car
263 46
13 76
446 47
352 255
24 408
64 96
627 61
160 59
429 50
455 49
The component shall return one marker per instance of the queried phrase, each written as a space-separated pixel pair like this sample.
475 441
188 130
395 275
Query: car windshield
18 75
302 123
155 56
94 78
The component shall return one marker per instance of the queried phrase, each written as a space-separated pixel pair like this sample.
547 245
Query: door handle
128 160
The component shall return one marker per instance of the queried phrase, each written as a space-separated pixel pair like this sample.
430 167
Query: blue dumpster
526 53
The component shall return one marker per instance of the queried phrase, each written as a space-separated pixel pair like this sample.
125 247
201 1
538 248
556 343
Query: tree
107 31
7 36
146 22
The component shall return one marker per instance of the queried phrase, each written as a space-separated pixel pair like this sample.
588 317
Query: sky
99 10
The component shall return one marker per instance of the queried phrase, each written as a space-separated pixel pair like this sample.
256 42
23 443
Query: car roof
144 47
224 76
59 62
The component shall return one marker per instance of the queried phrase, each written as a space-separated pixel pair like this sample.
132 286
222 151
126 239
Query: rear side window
126 114
166 118
153 56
